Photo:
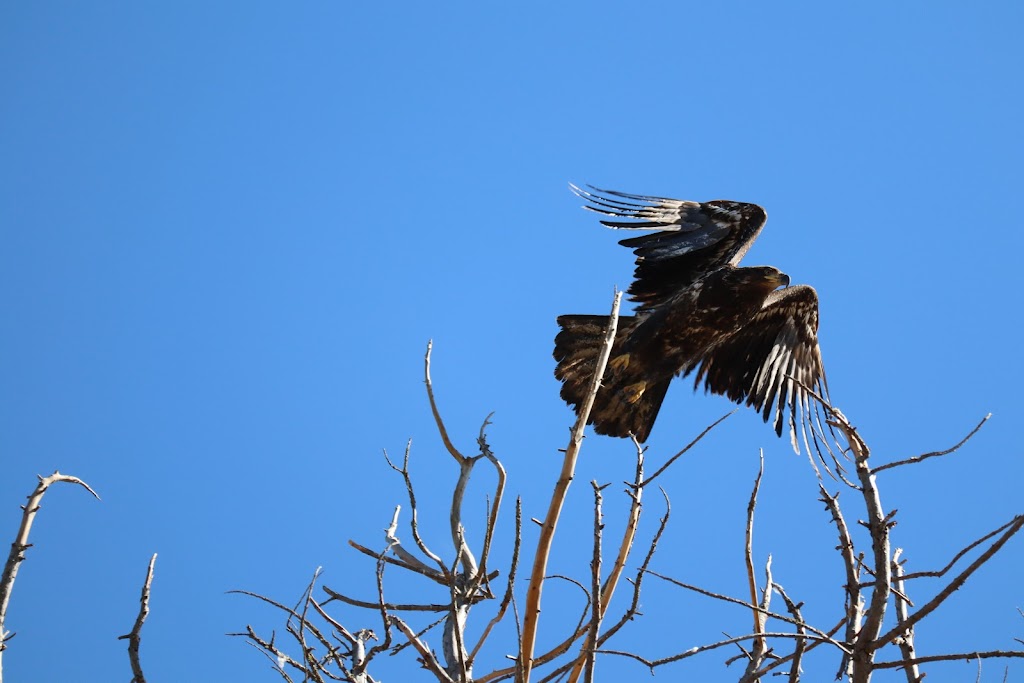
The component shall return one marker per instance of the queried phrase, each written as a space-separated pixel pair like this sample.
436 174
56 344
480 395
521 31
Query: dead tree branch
531 615
925 456
905 641
135 637
877 523
953 585
21 544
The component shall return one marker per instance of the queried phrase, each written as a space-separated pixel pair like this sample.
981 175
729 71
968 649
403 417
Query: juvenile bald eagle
698 312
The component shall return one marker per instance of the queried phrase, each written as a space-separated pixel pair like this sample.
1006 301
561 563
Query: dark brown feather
745 338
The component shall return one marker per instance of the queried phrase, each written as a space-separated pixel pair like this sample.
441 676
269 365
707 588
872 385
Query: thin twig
654 663
459 457
499 492
596 606
688 446
960 656
801 644
634 607
507 598
635 492
919 458
414 526
749 548
854 599
956 558
818 634
426 655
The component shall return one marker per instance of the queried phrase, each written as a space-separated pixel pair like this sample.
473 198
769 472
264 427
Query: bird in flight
743 332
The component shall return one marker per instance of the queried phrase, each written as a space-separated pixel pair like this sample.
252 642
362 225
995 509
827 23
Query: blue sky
227 232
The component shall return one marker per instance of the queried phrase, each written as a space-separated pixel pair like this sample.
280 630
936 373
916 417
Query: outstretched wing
772 362
694 238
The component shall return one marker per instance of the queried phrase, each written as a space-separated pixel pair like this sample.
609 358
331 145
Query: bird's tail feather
626 404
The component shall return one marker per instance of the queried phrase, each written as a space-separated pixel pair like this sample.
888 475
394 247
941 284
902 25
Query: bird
742 331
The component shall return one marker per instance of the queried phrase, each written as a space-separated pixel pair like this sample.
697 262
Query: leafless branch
956 558
635 492
426 656
634 607
509 586
499 492
394 546
905 641
919 458
135 637
459 457
686 448
817 633
533 593
960 656
877 524
392 606
21 544
801 643
418 567
654 663
630 613
297 625
749 549
953 585
854 598
813 643
596 606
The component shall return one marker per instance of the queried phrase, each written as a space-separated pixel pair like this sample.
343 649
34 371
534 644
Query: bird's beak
783 280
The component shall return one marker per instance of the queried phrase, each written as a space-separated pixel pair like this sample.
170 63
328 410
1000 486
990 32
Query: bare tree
876 588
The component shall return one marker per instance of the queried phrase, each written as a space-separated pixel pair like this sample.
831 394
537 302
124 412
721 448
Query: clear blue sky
227 231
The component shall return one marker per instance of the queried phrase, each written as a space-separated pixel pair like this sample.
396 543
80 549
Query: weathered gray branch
135 637
21 544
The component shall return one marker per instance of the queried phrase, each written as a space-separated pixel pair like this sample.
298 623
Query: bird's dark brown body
745 337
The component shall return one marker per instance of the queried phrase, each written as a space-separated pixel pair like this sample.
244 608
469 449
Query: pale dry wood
905 641
877 522
509 586
596 606
798 650
531 615
748 553
953 585
21 545
635 492
134 638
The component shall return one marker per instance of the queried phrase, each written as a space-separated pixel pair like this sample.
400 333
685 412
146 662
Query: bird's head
773 278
